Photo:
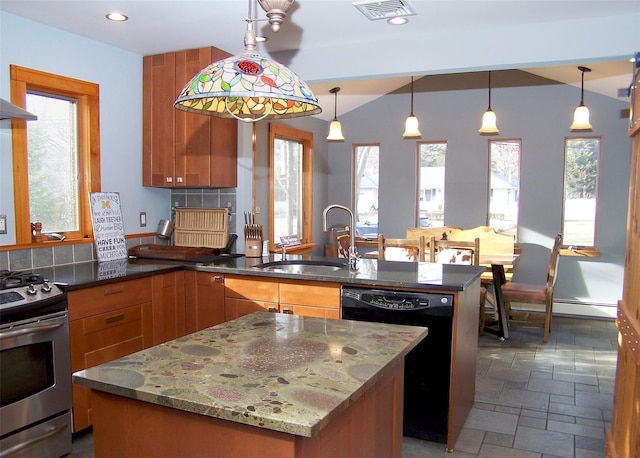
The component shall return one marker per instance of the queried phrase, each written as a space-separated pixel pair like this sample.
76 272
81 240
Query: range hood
10 111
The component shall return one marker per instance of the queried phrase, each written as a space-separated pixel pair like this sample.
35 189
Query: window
365 169
504 185
56 159
431 163
290 183
579 215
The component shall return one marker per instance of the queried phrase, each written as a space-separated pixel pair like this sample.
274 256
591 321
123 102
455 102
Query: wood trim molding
629 330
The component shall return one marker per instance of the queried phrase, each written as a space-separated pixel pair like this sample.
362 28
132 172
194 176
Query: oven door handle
30 442
29 330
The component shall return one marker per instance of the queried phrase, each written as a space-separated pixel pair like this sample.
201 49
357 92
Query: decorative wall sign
290 240
108 228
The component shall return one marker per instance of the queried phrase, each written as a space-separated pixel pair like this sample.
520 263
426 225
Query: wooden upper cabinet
183 149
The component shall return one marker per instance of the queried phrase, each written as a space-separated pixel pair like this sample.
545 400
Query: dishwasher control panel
394 300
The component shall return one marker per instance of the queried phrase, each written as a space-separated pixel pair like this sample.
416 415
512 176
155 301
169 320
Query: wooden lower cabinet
309 298
168 311
244 295
106 323
204 296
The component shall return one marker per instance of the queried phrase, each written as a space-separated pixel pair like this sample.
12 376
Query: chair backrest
554 259
392 249
340 240
454 251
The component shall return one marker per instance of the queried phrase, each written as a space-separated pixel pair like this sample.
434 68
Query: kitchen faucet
353 252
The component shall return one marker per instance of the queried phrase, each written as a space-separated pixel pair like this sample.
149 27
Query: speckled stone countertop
371 272
277 371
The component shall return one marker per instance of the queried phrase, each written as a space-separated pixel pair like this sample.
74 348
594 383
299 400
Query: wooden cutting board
168 252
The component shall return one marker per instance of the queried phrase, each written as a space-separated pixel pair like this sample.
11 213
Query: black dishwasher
428 365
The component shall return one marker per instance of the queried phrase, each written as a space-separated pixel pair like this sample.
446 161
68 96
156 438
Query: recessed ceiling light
117 17
397 20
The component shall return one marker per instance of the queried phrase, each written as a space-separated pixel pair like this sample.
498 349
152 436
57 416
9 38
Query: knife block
253 247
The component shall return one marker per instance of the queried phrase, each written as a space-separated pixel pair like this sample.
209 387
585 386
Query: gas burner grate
15 279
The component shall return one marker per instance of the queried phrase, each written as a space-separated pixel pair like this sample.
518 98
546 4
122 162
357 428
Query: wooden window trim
88 96
306 138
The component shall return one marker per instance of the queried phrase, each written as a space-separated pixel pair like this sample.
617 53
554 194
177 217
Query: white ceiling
322 27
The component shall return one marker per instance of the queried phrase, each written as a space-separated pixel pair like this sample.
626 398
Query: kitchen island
266 384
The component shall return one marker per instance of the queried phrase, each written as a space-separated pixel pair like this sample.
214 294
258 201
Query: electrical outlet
3 224
143 219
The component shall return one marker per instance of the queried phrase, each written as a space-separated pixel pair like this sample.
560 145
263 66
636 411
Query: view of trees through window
431 166
366 161
504 185
53 163
287 187
580 191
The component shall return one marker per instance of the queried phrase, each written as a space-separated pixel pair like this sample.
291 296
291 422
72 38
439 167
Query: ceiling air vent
385 9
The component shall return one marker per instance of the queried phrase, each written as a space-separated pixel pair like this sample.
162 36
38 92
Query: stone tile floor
533 400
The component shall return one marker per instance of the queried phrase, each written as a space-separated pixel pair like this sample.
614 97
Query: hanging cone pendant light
489 126
581 114
335 128
411 128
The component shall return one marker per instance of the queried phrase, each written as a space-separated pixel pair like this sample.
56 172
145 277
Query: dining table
497 263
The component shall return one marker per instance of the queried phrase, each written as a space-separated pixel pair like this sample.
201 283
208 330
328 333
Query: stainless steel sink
302 266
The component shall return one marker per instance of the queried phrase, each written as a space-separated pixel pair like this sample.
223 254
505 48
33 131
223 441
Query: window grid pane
366 181
580 192
54 189
431 174
287 172
504 185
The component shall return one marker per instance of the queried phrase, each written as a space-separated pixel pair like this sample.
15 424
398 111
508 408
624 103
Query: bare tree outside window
504 185
53 160
366 173
431 183
287 187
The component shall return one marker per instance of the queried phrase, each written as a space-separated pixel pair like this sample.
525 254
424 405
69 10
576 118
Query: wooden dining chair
393 249
454 251
340 239
527 293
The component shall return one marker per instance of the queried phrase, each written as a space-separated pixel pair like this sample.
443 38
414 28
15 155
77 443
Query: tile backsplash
70 253
58 255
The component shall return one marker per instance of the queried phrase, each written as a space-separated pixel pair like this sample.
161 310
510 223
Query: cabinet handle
273 309
116 290
179 179
218 279
287 311
114 318
169 179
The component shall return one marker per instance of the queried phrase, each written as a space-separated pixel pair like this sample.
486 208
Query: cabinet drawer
111 328
260 289
313 293
102 299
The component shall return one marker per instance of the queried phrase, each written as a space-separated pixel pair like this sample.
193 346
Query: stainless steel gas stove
35 369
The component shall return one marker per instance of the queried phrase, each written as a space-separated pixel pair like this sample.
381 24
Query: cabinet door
204 306
97 340
206 146
310 293
168 307
235 308
158 125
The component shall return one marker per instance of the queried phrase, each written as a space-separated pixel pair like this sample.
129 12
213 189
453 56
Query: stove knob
46 287
31 290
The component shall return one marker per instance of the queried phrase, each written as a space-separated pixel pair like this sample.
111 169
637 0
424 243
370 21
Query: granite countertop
276 371
371 272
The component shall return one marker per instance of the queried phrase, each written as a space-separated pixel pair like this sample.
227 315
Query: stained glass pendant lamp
250 87
581 114
411 127
335 128
489 126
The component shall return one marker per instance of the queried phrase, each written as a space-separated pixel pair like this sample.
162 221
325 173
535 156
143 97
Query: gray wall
539 113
